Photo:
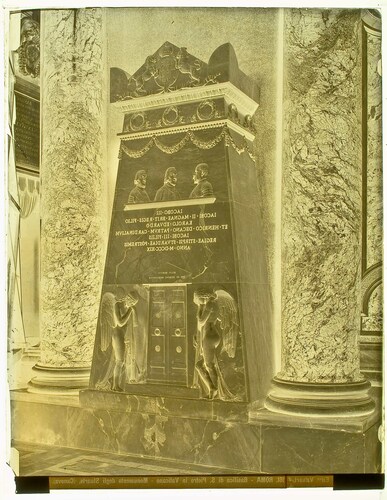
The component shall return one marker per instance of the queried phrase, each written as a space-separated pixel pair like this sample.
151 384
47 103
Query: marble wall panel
255 293
36 423
196 440
115 432
91 429
221 444
373 451
256 330
373 321
236 446
311 451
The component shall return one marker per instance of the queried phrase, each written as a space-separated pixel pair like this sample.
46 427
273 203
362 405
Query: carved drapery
28 194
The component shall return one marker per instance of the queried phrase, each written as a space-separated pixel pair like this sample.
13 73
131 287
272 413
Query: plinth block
164 405
182 430
59 380
308 399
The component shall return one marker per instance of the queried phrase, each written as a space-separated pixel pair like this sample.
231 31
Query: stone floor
40 460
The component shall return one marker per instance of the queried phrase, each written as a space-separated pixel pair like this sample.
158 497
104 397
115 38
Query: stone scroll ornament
118 324
217 332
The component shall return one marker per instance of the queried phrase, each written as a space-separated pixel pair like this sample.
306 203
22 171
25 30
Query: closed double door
167 348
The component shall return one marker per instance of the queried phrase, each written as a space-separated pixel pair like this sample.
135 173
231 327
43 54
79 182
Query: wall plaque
27 135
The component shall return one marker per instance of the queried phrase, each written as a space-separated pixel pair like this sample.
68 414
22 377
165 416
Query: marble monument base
228 437
173 427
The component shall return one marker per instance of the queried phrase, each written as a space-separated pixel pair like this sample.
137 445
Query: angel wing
107 319
228 317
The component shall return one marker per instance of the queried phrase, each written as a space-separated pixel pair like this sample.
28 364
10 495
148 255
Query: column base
318 399
55 380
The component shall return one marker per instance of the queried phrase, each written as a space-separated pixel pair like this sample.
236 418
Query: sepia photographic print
194 246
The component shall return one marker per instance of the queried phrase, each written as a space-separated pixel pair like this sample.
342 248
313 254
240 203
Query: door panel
167 353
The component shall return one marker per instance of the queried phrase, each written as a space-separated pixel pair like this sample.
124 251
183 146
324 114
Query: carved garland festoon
189 137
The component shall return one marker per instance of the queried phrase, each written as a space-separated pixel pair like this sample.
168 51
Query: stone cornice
184 128
245 105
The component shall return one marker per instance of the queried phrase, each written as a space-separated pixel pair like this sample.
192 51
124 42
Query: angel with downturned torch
217 322
118 324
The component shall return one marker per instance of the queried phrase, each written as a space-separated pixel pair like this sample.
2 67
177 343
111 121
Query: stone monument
183 340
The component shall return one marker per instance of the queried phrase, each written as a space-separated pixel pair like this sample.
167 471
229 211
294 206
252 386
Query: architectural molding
232 95
316 399
184 128
372 279
59 380
372 21
170 204
371 339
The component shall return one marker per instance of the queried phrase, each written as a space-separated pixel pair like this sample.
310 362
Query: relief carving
186 67
217 325
168 190
138 194
203 188
169 69
118 321
29 50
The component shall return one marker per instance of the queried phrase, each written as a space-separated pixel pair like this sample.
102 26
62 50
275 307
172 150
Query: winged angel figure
217 321
118 325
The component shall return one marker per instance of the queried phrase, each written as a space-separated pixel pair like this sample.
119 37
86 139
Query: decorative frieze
194 115
189 136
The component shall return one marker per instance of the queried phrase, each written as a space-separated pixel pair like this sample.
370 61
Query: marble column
321 217
72 195
372 266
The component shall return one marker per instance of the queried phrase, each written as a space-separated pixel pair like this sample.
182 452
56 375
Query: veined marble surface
374 201
374 320
321 214
72 184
